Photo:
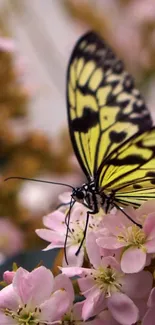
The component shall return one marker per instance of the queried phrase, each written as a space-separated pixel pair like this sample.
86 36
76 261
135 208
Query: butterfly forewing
110 125
104 108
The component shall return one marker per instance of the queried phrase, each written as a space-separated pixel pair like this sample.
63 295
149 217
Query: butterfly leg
67 221
84 232
109 202
85 229
119 208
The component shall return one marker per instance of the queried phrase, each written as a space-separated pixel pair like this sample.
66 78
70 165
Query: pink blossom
106 286
35 297
8 276
11 238
134 243
75 317
56 232
74 312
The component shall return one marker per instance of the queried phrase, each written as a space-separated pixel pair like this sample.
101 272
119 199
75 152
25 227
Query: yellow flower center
107 279
133 236
23 316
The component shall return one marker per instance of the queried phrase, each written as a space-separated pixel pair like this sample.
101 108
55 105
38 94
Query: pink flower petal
115 222
149 317
51 246
5 320
86 285
146 208
55 221
55 307
137 285
61 281
79 213
77 310
8 276
150 246
94 303
93 249
110 260
72 258
109 242
133 260
73 271
105 318
149 226
51 236
123 309
132 213
35 286
9 298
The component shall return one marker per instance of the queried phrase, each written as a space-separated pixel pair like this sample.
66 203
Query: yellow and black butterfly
111 131
110 128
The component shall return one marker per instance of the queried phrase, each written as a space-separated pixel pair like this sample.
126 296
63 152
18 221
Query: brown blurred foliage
24 152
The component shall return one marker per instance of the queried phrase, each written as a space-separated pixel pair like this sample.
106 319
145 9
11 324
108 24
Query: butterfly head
87 195
79 194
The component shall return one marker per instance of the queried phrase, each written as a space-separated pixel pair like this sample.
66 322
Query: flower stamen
107 280
132 236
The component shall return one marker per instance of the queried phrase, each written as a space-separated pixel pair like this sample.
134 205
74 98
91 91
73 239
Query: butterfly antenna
67 221
133 221
37 180
62 205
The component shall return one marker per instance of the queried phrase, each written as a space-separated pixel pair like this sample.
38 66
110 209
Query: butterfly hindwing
129 172
104 107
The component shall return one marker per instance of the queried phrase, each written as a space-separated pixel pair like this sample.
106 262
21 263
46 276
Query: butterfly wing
129 172
104 107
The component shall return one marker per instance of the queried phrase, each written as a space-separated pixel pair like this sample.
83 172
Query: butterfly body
89 195
110 127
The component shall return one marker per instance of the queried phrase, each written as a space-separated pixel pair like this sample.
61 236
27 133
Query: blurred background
36 39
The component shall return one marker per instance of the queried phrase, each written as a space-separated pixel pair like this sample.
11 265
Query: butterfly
110 128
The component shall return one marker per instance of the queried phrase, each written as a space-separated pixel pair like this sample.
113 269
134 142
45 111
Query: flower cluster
113 272
35 298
